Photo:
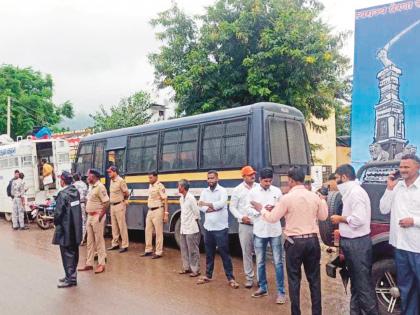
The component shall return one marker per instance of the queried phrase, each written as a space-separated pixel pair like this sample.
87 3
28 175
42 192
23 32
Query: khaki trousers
95 239
154 221
119 225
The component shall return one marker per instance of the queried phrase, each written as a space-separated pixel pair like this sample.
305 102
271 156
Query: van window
85 158
179 149
142 153
224 144
287 142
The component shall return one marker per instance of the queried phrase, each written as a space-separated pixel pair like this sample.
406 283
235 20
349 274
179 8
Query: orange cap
247 170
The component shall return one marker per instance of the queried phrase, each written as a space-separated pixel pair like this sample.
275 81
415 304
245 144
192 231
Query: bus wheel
177 232
8 216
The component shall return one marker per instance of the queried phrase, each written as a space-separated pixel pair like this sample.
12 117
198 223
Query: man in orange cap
239 207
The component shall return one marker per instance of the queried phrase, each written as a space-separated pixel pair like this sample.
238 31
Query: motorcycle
43 213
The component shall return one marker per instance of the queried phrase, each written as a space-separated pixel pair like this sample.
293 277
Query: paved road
30 267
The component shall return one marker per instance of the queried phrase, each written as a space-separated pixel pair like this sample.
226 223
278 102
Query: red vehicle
372 177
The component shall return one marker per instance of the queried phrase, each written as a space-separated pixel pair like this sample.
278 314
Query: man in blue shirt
213 202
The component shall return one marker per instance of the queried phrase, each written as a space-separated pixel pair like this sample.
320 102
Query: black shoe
24 228
62 279
146 254
123 250
156 256
113 248
15 229
66 284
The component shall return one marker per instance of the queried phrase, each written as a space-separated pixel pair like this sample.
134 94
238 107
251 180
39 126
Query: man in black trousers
68 229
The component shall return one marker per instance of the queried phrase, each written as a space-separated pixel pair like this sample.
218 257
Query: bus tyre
385 282
177 232
8 216
326 228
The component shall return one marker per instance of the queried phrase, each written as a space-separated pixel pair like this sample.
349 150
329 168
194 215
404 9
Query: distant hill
80 121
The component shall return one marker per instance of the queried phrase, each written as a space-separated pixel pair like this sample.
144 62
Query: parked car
372 177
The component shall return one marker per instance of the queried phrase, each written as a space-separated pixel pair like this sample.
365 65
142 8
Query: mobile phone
397 175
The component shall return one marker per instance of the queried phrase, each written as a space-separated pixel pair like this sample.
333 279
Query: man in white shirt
355 241
239 205
213 202
190 231
265 196
402 199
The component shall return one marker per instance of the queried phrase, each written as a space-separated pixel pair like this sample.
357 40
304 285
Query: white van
26 156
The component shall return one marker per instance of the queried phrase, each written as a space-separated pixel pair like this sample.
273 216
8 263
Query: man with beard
68 229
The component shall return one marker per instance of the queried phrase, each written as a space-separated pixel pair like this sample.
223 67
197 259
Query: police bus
26 156
260 135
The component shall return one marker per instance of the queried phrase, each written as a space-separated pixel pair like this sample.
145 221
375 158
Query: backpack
9 189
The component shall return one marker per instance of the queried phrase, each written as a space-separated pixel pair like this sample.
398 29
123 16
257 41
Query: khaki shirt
97 197
157 195
117 189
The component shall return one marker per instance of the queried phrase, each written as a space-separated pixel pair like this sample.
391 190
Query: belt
246 224
115 203
354 238
155 208
311 235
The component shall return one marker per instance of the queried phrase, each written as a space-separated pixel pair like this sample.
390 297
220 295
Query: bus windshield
287 143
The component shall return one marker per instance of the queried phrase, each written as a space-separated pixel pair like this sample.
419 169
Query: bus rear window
287 142
85 158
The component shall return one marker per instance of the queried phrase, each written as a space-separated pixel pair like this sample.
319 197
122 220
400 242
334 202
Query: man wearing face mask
402 200
355 241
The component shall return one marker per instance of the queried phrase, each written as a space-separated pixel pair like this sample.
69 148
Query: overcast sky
96 51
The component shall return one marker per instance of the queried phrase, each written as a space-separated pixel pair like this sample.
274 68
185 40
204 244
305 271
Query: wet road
30 267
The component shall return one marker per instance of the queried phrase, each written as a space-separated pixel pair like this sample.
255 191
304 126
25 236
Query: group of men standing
258 207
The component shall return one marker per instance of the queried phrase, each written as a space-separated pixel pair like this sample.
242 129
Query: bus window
297 146
179 149
287 142
116 158
225 144
98 161
142 153
85 158
26 161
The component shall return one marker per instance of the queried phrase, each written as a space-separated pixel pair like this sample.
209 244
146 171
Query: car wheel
326 228
385 281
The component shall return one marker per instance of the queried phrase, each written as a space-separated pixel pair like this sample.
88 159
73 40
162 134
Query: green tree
248 51
31 93
130 111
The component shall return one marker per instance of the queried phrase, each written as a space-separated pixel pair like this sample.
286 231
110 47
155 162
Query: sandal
233 284
184 272
203 280
194 274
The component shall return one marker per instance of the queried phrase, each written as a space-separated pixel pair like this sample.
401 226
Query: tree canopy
245 51
31 94
130 111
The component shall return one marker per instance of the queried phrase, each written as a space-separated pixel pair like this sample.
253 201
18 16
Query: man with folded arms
239 208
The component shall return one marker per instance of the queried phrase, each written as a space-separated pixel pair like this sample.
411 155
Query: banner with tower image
386 82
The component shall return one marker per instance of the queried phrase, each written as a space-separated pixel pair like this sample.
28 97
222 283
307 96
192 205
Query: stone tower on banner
389 136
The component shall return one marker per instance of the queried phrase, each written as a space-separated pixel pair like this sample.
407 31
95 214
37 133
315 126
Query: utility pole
8 115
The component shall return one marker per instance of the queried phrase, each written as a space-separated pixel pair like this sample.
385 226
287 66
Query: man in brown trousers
97 203
118 195
157 215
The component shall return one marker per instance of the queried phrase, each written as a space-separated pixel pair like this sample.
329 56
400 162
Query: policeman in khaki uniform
97 202
157 215
118 195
